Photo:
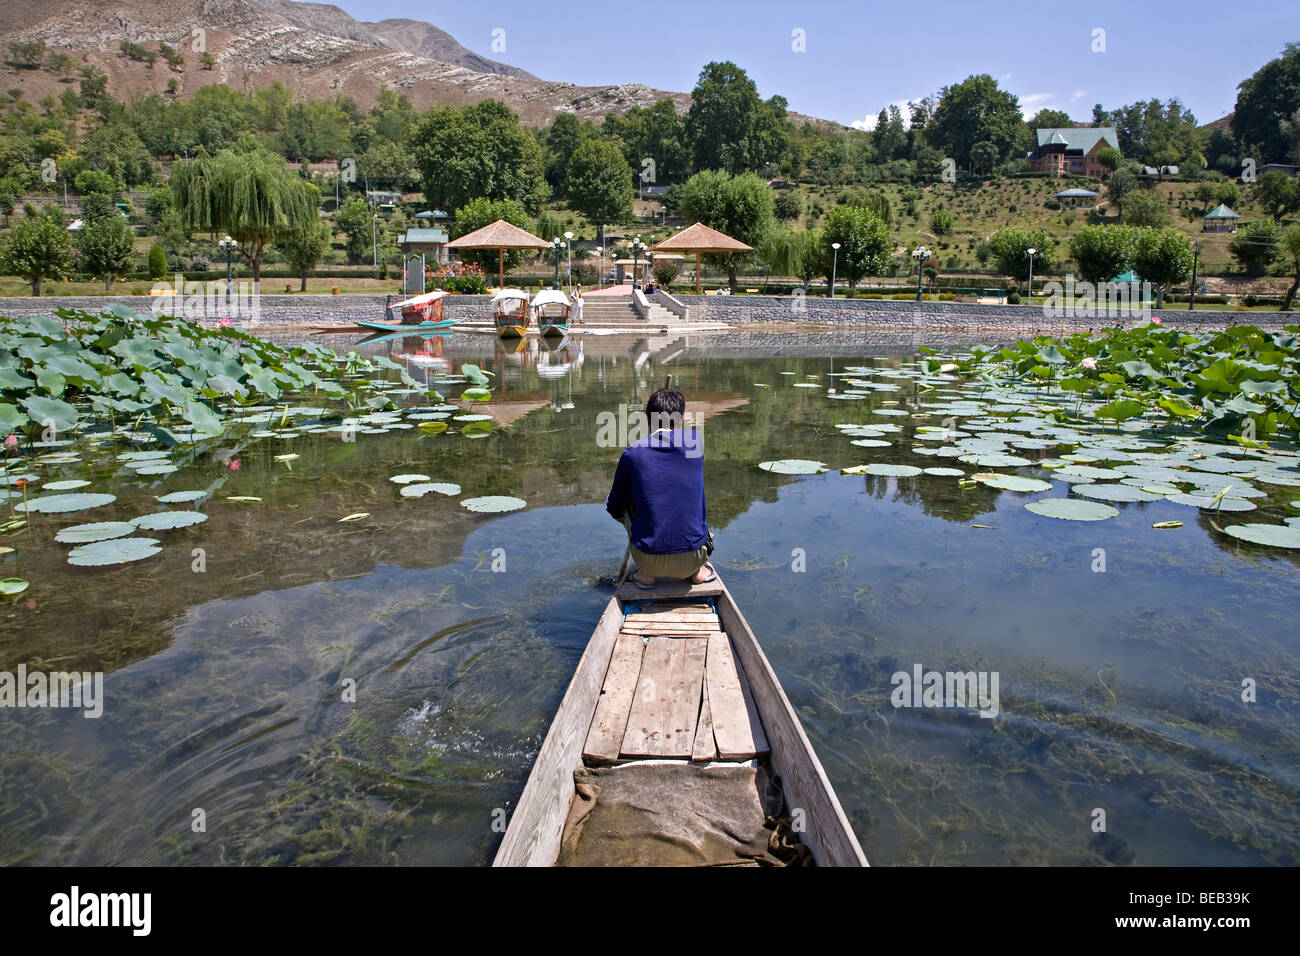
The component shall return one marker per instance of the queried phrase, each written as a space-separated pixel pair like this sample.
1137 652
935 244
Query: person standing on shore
577 307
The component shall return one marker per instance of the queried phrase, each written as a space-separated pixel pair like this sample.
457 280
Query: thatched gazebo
698 239
500 236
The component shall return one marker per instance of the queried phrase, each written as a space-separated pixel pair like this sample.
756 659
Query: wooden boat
552 307
421 309
510 312
727 709
405 329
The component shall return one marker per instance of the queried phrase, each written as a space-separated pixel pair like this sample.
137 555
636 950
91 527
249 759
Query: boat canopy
550 297
506 294
419 300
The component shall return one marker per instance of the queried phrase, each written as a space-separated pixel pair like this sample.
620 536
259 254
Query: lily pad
882 469
422 489
1113 491
167 520
118 551
944 472
77 483
55 504
182 497
492 504
408 479
1071 509
1210 503
12 586
1273 535
95 531
1017 483
793 466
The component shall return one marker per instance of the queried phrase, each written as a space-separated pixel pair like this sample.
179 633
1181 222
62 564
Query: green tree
728 126
157 262
1010 248
1109 158
1290 245
1050 119
1255 246
864 242
93 181
599 182
1228 194
812 255
355 220
39 247
1278 193
28 55
787 205
1264 100
971 112
984 156
1122 182
97 206
481 212
106 248
303 250
478 151
779 252
942 220
253 197
563 137
1146 207
1162 257
739 206
664 271
653 133
1102 252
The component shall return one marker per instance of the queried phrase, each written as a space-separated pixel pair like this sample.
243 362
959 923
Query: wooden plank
610 721
669 590
751 711
803 779
650 627
657 616
736 727
537 823
704 749
666 708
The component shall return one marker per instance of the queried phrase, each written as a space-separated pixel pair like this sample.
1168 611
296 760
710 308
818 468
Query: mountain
317 50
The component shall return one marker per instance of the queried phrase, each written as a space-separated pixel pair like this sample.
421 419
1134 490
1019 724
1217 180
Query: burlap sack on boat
648 814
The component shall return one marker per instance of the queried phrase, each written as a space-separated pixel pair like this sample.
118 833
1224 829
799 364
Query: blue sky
861 56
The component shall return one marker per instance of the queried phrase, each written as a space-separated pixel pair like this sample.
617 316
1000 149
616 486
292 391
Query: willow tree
255 198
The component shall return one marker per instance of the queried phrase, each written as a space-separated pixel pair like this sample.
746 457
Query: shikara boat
404 329
421 310
674 688
552 307
510 312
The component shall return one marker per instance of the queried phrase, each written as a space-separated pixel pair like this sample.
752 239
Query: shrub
1013 298
1053 203
157 262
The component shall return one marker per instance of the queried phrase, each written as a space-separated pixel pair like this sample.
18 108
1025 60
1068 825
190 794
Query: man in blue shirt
658 493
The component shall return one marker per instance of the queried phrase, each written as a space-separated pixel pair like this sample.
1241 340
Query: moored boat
510 312
552 308
422 310
676 721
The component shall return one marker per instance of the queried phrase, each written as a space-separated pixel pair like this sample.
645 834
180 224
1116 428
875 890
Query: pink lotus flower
1089 362
232 464
11 441
225 322
1158 321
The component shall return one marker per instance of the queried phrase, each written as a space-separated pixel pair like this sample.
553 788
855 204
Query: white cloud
1078 95
1031 103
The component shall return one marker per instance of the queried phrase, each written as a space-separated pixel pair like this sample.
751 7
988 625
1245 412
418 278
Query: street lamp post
374 240
557 244
600 251
1029 293
637 247
835 261
921 254
229 245
1191 299
568 244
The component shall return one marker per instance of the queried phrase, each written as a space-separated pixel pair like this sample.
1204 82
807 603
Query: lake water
1120 689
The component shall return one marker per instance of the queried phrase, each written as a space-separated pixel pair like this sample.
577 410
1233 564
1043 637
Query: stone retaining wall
896 313
283 311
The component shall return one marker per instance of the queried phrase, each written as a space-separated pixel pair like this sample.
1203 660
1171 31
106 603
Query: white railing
675 306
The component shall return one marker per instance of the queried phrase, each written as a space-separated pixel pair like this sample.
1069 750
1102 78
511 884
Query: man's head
665 409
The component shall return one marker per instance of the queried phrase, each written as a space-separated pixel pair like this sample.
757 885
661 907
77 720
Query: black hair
665 408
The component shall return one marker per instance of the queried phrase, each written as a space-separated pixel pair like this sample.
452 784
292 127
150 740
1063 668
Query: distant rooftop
1083 138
